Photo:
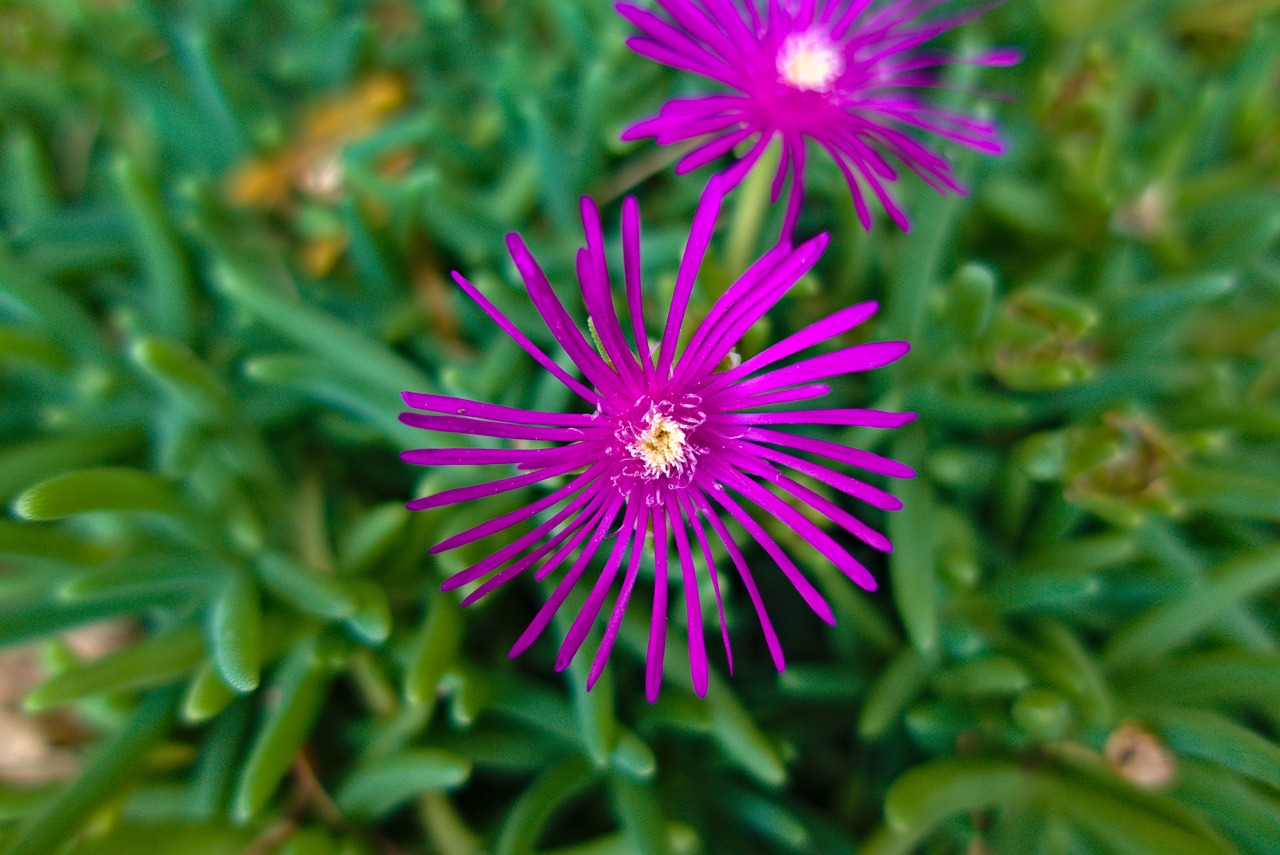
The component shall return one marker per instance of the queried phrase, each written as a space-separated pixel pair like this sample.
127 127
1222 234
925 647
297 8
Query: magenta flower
843 73
671 447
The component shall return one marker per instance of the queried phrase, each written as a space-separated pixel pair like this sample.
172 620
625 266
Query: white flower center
810 62
661 446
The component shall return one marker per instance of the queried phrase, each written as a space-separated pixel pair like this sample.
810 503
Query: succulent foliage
225 234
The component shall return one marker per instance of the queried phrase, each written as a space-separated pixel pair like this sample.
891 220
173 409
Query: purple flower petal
693 604
562 328
852 456
493 488
552 605
704 222
698 497
873 496
688 513
841 517
624 597
816 537
519 515
850 417
562 545
495 412
802 585
597 294
591 608
577 511
658 623
476 427
521 339
740 316
827 328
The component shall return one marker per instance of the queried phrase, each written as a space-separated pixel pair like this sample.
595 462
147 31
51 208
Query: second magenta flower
846 74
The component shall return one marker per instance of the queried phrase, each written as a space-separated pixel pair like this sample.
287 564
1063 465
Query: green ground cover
226 229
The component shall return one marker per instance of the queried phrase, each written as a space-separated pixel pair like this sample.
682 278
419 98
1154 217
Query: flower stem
752 204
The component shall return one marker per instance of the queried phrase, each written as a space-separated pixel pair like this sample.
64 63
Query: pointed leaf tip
111 488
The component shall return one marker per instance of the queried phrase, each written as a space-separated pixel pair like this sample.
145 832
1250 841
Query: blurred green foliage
226 228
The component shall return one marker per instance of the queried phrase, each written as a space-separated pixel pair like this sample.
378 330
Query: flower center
810 62
659 441
661 445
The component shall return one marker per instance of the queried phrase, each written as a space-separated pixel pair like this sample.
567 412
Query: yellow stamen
661 446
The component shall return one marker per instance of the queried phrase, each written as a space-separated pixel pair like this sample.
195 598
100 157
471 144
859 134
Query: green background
225 234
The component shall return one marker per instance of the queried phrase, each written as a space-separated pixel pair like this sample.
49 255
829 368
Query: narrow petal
562 545
802 585
816 537
533 458
741 289
780 176
734 174
597 294
624 597
704 222
692 128
850 178
691 514
891 16
861 357
796 200
658 623
553 603
492 488
519 515
748 581
852 417
842 24
730 20
873 496
579 508
634 284
862 167
494 412
585 453
740 317
852 456
844 519
649 127
785 396
607 330
824 330
477 427
709 151
693 19
521 339
586 617
662 32
693 603
550 567
698 63
561 326
950 127
1000 57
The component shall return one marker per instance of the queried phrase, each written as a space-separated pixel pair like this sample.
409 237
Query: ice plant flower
674 446
845 74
